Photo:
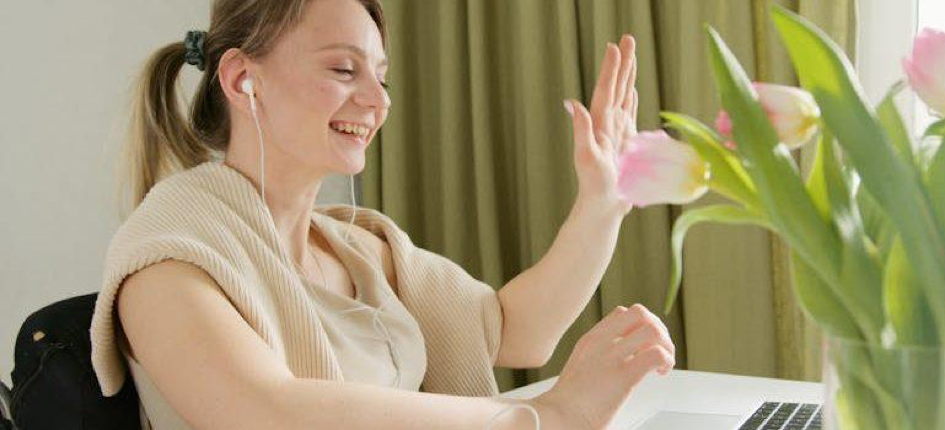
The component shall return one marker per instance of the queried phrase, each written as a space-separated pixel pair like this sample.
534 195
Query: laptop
767 416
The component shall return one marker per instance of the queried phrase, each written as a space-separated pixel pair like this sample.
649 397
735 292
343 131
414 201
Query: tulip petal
925 68
792 111
724 124
656 169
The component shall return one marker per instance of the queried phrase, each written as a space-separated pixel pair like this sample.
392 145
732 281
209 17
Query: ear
234 68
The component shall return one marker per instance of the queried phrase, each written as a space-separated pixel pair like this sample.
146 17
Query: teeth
351 129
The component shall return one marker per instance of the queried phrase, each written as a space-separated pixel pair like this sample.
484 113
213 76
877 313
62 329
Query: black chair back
54 386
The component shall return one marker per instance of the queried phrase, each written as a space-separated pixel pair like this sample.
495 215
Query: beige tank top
376 340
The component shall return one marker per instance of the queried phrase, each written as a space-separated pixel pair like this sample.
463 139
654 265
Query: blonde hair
160 140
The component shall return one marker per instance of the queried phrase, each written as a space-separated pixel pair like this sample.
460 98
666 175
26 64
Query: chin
350 167
350 161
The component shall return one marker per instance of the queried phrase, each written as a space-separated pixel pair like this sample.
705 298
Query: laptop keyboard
785 416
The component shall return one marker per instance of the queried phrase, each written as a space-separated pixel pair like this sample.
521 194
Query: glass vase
874 387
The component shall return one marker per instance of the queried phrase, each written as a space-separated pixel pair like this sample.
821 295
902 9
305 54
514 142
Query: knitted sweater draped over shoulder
213 217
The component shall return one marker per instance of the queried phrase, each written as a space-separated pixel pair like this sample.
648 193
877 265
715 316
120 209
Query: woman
243 305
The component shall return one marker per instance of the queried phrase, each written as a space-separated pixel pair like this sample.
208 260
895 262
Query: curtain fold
475 161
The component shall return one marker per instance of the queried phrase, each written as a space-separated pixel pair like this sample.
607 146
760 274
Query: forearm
306 404
542 302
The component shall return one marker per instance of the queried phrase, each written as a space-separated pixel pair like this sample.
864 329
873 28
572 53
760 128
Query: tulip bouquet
866 226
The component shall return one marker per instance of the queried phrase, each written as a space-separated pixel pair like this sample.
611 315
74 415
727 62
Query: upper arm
206 361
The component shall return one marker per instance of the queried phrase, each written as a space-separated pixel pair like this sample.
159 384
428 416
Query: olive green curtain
475 160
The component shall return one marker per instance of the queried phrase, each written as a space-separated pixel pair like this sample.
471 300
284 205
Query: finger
619 323
606 80
583 126
631 81
641 316
644 336
630 109
651 318
626 60
630 101
652 358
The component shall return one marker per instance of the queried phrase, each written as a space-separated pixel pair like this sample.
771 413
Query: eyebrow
354 49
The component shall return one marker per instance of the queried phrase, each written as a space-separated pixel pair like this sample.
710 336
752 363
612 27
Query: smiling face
322 92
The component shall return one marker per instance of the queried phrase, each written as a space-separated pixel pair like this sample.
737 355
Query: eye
350 72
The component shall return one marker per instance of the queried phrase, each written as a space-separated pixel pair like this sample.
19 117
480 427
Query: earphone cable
354 207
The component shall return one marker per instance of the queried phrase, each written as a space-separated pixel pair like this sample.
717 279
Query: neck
290 194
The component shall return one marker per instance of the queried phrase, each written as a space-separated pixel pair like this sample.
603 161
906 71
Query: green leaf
906 304
820 302
817 180
888 115
728 177
781 191
915 372
860 275
926 148
862 282
930 145
876 224
827 184
859 291
936 129
935 178
726 214
896 186
858 364
856 407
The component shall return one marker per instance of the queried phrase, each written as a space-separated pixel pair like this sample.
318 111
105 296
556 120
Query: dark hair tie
193 43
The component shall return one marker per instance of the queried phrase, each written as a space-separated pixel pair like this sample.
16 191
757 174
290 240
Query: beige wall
66 70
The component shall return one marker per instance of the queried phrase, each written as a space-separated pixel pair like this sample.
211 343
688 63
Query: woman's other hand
605 366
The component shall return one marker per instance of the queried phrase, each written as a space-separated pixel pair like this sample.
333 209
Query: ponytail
161 140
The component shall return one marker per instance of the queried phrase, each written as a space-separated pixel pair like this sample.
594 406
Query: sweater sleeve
465 290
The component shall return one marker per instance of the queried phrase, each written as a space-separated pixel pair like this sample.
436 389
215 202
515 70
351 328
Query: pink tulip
926 68
724 125
792 111
656 169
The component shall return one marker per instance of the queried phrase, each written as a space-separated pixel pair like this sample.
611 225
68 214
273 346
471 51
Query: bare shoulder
159 287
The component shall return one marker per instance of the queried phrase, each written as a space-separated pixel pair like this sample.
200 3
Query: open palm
604 131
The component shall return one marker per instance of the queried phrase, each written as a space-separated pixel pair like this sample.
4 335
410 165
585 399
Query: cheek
327 96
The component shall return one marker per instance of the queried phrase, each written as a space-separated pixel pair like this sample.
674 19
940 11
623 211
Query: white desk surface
700 392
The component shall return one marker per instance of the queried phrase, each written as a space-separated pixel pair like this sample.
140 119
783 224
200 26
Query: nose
372 94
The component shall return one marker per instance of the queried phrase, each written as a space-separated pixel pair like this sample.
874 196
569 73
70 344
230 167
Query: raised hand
604 131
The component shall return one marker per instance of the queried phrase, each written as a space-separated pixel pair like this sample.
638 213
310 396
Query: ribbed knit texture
212 216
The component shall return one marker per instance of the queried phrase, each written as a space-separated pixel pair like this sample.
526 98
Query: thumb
583 126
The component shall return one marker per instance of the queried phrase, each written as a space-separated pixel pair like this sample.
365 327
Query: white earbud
247 87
